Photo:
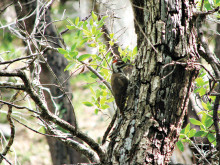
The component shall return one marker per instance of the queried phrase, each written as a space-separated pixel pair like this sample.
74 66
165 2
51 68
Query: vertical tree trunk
217 41
60 153
159 95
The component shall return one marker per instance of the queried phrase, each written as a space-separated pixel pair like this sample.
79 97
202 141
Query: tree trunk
158 95
60 153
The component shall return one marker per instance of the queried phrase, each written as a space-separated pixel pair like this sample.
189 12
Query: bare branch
2 10
10 85
19 107
109 127
48 116
203 14
11 139
6 159
18 59
57 80
34 130
145 35
76 145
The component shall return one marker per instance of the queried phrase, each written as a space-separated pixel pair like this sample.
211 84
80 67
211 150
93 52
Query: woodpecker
119 82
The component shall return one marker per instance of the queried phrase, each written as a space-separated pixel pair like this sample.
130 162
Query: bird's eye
120 62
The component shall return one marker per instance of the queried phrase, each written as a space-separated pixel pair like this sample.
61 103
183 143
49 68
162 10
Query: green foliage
206 123
210 5
90 33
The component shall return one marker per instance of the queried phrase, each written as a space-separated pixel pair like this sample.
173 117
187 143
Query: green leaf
209 106
195 122
69 66
183 131
199 134
76 21
96 111
100 25
80 23
110 100
208 122
93 30
197 90
73 54
105 106
200 81
84 57
92 45
211 137
70 27
187 128
202 91
111 43
91 22
89 104
91 89
103 18
192 132
182 136
94 16
180 146
85 25
202 127
119 49
135 51
62 51
207 6
42 130
204 106
87 33
98 34
83 41
111 35
73 47
93 76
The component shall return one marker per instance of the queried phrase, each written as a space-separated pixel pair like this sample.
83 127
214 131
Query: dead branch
73 143
203 14
109 127
11 85
9 118
48 116
18 59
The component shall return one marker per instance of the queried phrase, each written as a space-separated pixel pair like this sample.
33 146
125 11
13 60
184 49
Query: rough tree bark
159 90
60 153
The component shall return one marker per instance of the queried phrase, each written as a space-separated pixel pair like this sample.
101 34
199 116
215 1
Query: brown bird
119 82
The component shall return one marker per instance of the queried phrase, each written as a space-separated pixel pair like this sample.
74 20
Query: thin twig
11 85
203 14
18 107
5 159
73 143
145 35
57 80
12 136
35 130
48 116
18 59
98 75
2 10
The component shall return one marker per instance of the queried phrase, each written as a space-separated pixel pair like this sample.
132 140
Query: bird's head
117 64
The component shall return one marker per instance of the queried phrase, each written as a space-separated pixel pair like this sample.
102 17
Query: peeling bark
159 95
